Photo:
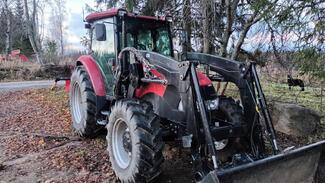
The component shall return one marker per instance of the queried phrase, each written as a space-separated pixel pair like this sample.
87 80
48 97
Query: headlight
122 12
169 19
212 104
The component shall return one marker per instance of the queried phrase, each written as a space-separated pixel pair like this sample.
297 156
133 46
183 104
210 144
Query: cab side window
104 49
104 53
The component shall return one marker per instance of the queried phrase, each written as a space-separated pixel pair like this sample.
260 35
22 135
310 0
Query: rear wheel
134 141
83 104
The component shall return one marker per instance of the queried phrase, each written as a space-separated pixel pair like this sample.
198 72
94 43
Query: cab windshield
150 35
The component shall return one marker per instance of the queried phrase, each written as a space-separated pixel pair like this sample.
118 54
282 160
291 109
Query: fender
155 88
160 89
94 73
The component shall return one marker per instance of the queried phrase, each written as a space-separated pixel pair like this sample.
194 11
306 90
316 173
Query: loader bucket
296 166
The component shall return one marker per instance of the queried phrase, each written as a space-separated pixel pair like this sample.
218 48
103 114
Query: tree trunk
8 30
187 25
60 13
61 39
231 8
207 6
32 31
219 18
243 35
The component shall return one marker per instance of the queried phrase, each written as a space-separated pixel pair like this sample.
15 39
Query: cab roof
115 11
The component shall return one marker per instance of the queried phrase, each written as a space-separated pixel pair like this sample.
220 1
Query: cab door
104 52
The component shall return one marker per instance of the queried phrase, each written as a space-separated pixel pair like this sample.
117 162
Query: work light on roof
169 18
122 12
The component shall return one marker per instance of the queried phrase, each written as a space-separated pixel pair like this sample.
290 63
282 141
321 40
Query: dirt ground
37 144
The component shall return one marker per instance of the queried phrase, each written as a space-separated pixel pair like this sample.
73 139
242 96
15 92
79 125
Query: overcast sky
73 22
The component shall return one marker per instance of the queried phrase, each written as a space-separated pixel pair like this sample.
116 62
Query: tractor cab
115 29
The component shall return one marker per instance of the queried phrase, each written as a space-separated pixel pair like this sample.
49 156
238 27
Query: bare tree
32 30
8 28
207 9
223 26
57 28
187 24
230 12
237 20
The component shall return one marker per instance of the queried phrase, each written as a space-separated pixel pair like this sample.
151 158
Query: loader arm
183 76
294 166
231 71
252 97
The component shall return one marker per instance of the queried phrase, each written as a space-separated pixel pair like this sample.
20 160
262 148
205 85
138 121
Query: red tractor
131 85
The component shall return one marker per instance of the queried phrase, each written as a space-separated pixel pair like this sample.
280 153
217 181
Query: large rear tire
83 104
134 141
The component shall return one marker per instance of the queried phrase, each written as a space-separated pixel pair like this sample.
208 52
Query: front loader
131 85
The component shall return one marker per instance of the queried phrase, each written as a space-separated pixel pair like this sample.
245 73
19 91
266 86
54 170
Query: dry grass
17 64
16 70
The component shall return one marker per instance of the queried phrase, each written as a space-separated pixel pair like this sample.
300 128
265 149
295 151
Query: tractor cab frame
116 29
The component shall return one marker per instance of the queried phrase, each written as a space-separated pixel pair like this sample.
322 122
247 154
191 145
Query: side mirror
100 32
87 26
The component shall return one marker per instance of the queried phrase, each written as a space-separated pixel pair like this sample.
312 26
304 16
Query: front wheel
134 141
230 111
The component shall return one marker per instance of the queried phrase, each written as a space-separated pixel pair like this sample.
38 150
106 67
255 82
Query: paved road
20 85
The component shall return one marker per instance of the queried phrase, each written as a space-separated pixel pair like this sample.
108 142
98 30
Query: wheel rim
76 103
121 144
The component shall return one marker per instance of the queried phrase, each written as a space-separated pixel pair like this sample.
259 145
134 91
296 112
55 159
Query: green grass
309 98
